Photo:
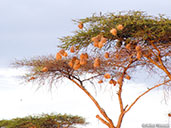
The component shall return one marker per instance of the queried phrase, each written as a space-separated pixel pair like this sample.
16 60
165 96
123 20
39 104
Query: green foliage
44 121
137 25
139 29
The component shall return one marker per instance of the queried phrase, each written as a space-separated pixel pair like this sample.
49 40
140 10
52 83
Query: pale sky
18 100
32 28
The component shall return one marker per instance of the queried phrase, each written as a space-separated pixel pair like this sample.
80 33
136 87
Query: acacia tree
108 48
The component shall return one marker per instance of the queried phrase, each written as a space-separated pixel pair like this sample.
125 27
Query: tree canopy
108 48
138 26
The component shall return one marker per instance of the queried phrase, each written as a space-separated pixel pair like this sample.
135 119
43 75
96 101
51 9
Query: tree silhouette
108 48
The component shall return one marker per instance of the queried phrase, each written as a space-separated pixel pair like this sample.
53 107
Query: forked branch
122 109
110 123
160 60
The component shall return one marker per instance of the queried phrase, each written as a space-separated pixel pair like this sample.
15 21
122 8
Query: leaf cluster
137 25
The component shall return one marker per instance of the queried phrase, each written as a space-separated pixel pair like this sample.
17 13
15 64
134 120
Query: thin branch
161 66
145 93
81 83
125 107
91 77
158 56
152 43
121 84
152 61
103 121
96 103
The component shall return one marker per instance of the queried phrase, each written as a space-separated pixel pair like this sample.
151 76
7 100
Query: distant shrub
44 121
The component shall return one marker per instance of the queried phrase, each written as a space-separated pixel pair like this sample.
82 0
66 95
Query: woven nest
72 49
113 31
127 77
80 25
128 46
139 54
100 81
96 62
58 56
120 27
45 69
112 82
107 76
106 55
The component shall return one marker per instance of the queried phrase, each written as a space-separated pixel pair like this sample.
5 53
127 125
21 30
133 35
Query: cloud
22 100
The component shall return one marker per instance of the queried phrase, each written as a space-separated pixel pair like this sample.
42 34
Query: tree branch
120 86
96 103
122 109
103 121
161 66
91 77
145 93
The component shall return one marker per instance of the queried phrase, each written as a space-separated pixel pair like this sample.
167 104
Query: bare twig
91 77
